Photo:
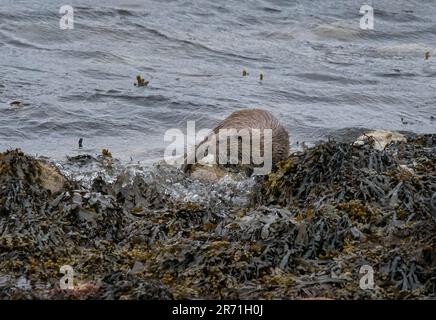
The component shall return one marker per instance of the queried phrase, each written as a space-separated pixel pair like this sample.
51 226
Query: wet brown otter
249 120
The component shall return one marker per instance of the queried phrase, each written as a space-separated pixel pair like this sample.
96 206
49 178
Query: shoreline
303 231
69 147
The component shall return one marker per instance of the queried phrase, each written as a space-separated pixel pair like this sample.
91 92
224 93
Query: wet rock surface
304 231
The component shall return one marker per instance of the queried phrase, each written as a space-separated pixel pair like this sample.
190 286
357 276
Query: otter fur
248 120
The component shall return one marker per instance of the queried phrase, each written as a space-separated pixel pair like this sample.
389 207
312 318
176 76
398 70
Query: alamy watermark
67 19
67 281
367 280
367 21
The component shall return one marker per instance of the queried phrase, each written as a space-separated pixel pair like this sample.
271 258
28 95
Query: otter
249 120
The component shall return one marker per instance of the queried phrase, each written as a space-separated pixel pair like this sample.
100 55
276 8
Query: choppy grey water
321 72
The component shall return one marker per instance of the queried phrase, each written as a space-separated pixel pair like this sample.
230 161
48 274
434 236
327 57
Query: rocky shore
303 231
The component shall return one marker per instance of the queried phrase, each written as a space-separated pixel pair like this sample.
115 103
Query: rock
207 173
16 103
137 267
51 179
381 138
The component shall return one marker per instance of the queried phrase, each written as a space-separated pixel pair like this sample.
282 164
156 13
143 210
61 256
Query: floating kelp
140 82
304 231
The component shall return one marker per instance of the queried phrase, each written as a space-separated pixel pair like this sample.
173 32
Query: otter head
250 138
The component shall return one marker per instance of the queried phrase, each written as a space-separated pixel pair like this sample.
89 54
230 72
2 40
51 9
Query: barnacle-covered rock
379 138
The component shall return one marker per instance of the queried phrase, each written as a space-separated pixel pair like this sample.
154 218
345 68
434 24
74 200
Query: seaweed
304 231
140 82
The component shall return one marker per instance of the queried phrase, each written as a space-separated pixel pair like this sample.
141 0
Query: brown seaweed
312 224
